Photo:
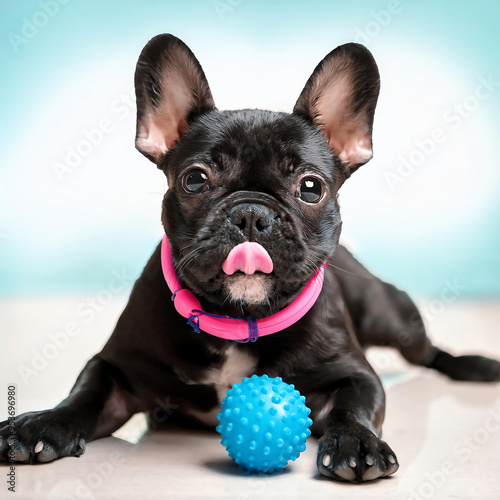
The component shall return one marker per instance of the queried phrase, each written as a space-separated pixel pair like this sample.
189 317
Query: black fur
254 162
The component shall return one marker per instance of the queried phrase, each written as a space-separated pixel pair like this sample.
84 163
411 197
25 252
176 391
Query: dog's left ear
340 99
171 90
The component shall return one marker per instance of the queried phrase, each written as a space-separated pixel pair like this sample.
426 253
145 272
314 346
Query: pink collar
239 329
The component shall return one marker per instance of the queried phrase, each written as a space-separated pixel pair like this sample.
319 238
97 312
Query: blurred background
77 200
80 207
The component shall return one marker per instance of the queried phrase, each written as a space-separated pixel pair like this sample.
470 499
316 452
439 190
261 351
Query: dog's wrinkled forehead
251 147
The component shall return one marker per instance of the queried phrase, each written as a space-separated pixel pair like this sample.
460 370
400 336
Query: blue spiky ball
264 423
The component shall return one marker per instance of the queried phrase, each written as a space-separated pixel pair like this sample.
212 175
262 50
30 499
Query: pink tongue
248 257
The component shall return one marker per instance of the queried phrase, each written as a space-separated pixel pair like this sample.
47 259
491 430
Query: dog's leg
347 408
406 332
96 406
126 377
385 316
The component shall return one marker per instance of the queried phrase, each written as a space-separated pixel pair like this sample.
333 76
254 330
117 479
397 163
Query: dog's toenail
82 444
352 463
326 460
391 459
39 447
369 460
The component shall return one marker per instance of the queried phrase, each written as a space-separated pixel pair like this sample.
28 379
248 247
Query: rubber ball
264 423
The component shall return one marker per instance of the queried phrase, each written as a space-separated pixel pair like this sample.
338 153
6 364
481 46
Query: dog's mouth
249 270
250 289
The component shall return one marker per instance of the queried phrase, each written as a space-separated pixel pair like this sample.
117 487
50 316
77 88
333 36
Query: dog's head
252 176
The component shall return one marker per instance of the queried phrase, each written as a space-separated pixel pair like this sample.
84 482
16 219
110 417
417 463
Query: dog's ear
171 89
340 99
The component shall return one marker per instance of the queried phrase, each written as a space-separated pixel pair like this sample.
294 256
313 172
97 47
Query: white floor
446 434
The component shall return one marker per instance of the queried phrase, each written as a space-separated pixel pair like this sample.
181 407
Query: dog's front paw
353 453
41 436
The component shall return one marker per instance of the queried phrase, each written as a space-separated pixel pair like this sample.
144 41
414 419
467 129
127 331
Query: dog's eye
196 181
310 190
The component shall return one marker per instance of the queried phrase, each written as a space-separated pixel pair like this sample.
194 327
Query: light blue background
441 223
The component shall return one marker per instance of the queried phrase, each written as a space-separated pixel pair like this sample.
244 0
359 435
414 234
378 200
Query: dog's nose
251 218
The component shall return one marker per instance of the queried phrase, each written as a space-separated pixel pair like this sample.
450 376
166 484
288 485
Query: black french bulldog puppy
272 179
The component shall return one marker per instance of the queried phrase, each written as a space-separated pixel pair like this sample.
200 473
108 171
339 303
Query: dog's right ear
340 98
171 89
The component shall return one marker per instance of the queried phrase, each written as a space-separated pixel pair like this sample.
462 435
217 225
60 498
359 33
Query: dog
251 218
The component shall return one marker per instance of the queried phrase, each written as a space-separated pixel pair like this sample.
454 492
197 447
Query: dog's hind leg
382 315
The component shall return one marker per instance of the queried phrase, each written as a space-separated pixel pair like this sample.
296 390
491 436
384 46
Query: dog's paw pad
16 451
47 454
391 467
346 472
372 472
82 446
355 456
41 437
